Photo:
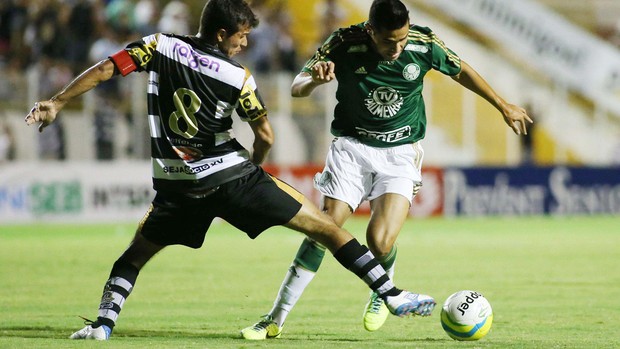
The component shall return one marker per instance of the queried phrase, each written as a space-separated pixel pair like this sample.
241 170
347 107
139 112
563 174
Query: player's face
230 45
389 43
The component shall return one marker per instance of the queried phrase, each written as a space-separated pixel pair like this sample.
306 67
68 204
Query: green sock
388 261
310 255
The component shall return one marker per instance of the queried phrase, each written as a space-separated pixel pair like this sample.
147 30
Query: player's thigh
345 176
174 219
257 202
389 213
338 210
397 170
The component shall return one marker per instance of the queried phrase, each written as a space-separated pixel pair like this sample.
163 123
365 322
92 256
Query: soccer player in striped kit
379 121
200 171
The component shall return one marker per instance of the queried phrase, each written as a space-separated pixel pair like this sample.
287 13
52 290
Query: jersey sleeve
444 59
136 56
319 56
342 37
250 106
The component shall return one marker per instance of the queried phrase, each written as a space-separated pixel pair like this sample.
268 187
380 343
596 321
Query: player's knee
380 247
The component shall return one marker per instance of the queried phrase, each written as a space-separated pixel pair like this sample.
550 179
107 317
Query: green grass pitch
552 282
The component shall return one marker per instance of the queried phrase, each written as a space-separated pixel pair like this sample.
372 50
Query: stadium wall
121 191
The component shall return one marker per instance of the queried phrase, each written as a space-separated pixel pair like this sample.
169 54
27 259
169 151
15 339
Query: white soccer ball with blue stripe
466 316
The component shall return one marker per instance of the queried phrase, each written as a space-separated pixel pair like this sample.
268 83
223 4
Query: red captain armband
123 62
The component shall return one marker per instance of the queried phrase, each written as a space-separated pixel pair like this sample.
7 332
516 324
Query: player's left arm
45 112
263 139
320 69
251 109
304 83
514 116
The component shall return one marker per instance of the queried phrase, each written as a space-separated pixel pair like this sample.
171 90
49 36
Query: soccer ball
466 316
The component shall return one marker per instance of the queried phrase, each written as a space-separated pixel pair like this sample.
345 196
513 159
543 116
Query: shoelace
86 321
263 324
375 303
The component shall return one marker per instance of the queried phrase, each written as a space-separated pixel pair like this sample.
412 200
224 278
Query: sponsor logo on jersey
389 136
193 58
357 48
416 48
411 71
192 170
361 70
384 102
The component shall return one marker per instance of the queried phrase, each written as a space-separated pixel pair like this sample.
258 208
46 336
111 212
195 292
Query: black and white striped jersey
193 90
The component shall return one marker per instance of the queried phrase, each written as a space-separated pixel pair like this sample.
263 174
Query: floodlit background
560 59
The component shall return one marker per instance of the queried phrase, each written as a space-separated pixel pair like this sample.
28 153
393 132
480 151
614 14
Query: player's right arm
320 69
135 57
45 112
305 82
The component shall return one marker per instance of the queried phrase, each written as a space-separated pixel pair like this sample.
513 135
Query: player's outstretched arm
45 112
304 83
514 116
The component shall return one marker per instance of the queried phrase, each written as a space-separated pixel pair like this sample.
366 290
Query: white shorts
355 172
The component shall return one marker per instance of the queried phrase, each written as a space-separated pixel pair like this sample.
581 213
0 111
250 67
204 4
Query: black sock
116 290
361 261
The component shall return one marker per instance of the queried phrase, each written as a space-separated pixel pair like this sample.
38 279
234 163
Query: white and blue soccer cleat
407 303
101 333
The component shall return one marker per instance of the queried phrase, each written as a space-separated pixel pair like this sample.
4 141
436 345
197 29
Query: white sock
294 284
390 271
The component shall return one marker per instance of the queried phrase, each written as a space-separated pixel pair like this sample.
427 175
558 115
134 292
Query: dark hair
229 15
388 15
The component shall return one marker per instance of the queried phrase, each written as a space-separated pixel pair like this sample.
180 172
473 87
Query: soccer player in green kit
379 121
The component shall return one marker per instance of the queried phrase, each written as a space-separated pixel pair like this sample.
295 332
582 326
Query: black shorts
252 204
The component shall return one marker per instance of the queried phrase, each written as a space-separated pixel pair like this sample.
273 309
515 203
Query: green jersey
380 102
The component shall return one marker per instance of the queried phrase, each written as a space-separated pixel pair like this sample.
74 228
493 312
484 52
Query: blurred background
560 59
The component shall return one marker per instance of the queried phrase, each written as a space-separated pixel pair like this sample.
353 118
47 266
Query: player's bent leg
338 210
298 277
117 288
366 267
359 260
389 212
319 227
